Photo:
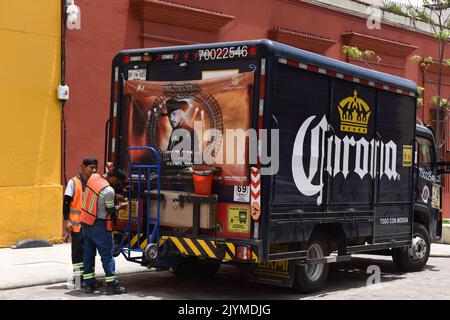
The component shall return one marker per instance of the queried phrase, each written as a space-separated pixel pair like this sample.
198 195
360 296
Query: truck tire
414 258
313 277
192 267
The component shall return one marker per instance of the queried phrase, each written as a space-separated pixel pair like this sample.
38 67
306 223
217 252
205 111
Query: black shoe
91 288
115 288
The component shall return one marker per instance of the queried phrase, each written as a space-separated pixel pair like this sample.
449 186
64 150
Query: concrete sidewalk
439 250
40 266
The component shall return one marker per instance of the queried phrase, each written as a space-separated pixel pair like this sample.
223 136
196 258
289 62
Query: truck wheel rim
314 271
418 249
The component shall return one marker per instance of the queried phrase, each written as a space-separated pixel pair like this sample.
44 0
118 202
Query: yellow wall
30 134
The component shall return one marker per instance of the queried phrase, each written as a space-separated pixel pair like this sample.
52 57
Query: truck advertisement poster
342 141
188 123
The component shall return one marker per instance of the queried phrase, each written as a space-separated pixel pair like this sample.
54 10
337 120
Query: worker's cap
117 172
90 161
174 104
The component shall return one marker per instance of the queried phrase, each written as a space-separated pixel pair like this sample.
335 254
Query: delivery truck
270 158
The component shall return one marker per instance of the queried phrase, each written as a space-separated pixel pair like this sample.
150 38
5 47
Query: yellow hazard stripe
161 241
179 245
254 256
232 248
133 241
192 246
206 248
227 256
144 244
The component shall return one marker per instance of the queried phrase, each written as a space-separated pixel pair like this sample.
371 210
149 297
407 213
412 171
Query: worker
98 213
71 213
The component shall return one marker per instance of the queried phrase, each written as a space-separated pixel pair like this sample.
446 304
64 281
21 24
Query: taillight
244 252
126 59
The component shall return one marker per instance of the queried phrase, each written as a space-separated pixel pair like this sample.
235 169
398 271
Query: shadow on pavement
229 280
58 287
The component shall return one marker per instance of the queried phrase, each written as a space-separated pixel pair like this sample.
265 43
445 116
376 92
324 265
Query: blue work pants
97 237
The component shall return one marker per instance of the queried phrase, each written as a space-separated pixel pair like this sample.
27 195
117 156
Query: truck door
428 185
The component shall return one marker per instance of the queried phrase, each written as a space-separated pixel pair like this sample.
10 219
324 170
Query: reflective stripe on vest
89 206
75 205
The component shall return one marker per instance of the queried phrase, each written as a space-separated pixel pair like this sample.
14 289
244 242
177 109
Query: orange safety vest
89 206
75 205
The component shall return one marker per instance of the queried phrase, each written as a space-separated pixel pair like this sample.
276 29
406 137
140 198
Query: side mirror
442 167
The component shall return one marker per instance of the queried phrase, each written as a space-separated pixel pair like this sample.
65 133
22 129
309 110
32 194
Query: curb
61 280
440 255
31 243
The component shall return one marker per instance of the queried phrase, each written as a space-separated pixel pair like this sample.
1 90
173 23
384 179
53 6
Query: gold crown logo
354 113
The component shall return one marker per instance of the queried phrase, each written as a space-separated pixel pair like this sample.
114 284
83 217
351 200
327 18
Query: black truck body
355 173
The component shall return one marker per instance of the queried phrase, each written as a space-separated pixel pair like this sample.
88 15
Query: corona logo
332 156
354 113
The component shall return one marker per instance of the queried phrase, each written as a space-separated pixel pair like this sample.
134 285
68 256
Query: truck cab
428 188
427 218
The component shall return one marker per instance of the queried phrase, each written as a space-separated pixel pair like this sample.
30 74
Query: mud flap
279 273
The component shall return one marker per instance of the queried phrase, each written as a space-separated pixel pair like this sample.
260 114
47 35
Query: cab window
424 152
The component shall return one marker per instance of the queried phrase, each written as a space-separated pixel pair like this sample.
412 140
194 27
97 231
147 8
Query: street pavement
37 266
41 273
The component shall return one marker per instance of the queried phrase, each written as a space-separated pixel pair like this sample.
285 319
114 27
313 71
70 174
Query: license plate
137 74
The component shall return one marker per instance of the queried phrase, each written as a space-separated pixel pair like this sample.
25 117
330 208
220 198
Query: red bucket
203 178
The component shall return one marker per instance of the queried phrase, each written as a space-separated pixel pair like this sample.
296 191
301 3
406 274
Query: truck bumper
204 247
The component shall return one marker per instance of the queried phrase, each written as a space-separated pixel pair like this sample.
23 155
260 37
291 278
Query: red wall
108 26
